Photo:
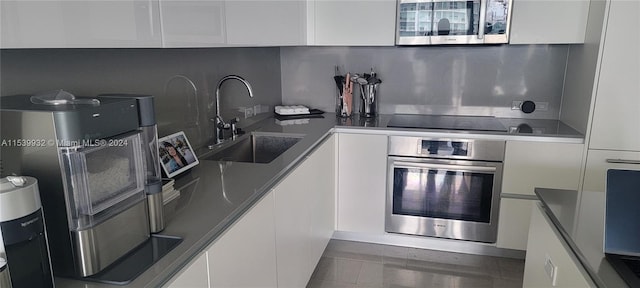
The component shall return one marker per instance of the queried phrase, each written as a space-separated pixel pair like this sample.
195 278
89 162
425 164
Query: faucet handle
233 122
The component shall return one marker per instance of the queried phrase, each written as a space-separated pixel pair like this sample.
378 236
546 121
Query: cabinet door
245 255
538 164
353 23
528 165
599 161
548 22
322 198
79 24
513 226
266 23
198 23
293 227
546 243
305 216
194 275
617 107
362 172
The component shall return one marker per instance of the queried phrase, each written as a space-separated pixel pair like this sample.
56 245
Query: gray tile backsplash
88 72
454 80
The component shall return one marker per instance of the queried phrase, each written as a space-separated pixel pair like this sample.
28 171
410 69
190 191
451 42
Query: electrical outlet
542 106
551 270
248 112
515 105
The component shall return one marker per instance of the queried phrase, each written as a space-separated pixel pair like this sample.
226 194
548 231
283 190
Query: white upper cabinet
79 24
617 107
351 22
266 22
198 23
548 22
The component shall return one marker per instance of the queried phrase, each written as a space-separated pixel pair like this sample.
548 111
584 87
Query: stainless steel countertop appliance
23 235
448 188
89 156
149 142
432 22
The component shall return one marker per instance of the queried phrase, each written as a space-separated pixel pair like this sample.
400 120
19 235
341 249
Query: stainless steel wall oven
448 188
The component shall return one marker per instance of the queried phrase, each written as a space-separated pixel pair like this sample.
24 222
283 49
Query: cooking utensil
339 82
348 94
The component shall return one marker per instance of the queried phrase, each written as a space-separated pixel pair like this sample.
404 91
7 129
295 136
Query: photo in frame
176 154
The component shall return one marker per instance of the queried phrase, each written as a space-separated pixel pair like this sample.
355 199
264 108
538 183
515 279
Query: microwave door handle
444 166
483 18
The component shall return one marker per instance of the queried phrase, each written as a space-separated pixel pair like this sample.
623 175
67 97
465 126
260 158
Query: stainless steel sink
256 147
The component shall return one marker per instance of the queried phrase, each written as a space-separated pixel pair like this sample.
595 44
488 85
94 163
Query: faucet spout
225 78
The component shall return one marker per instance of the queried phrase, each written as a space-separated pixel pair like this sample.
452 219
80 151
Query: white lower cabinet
305 216
362 172
245 255
540 164
547 245
323 198
195 275
528 165
293 228
513 224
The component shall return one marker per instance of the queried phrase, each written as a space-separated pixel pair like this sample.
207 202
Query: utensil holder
368 99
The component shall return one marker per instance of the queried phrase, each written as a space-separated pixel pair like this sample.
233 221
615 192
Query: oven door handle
399 164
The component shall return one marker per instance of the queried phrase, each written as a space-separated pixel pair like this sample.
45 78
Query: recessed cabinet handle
623 161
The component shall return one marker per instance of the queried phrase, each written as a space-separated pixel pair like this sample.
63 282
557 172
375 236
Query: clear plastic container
149 135
100 176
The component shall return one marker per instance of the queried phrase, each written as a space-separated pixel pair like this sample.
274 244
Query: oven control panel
469 149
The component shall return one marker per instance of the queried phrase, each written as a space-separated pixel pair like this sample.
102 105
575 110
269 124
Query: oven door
431 22
443 198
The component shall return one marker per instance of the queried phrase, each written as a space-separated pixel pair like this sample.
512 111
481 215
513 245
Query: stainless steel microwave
433 22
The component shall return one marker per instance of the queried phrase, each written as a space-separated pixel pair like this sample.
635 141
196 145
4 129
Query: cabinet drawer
513 224
536 164
599 161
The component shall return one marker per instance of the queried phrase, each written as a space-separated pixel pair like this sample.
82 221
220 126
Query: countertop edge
566 237
462 134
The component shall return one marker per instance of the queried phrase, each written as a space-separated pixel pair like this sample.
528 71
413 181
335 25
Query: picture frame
176 154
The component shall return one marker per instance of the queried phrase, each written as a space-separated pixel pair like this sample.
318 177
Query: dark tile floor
355 264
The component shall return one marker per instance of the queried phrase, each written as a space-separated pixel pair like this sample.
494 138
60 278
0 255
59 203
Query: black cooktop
446 122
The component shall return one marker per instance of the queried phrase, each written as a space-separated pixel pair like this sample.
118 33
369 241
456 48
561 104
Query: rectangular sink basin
256 147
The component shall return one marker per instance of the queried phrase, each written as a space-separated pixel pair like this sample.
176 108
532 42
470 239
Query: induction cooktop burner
446 122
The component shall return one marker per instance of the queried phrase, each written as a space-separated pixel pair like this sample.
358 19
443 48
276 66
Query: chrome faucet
220 124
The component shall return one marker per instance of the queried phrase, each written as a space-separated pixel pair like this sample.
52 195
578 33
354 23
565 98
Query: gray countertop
581 223
215 194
